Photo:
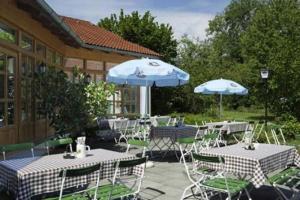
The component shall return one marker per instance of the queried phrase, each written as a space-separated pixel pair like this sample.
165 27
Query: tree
143 30
71 105
272 40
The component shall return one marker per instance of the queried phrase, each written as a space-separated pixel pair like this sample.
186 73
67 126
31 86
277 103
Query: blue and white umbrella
147 72
221 87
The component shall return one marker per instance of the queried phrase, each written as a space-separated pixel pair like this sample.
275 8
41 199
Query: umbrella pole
220 112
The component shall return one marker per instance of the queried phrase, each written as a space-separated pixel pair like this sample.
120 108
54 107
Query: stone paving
167 179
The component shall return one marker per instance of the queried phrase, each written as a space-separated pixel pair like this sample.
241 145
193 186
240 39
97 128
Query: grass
242 115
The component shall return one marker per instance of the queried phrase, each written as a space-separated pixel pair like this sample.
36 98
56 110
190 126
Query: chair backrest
66 173
58 142
131 163
186 140
211 136
140 143
79 172
16 147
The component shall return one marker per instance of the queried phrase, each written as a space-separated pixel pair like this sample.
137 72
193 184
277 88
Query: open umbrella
221 87
147 72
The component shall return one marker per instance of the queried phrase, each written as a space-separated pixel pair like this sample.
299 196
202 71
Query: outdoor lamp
42 67
264 73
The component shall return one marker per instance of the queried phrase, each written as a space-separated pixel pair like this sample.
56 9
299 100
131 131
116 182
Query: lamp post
264 73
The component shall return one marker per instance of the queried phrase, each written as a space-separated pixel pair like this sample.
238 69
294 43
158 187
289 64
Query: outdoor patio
167 179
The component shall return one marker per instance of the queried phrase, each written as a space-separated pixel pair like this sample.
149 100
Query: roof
92 34
80 33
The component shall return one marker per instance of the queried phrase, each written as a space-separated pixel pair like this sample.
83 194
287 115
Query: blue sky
185 16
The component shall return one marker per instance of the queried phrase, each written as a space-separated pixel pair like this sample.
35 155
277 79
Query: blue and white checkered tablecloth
28 177
257 164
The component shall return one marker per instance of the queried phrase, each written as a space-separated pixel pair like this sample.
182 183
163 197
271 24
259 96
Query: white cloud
192 24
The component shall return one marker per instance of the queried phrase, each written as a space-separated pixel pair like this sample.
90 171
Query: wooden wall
23 22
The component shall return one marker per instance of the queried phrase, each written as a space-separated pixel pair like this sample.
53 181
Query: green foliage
291 128
97 95
143 30
71 105
272 40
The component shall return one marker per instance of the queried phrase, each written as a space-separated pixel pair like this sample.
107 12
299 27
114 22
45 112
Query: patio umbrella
221 87
147 72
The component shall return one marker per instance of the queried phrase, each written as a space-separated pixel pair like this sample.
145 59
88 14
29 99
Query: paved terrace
167 179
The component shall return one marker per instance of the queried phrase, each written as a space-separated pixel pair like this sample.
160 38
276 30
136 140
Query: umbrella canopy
147 72
221 86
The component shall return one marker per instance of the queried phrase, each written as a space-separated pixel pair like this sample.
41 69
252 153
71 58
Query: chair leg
248 194
183 196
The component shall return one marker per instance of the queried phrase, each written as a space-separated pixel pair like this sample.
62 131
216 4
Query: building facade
32 35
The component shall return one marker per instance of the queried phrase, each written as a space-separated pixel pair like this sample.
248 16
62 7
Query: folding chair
130 129
59 142
192 174
121 187
121 127
82 193
16 147
186 146
288 179
219 182
259 129
137 143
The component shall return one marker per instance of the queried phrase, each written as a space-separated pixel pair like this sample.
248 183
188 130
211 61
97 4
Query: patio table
164 137
258 163
230 127
28 177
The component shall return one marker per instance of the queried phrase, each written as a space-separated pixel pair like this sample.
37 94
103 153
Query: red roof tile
94 35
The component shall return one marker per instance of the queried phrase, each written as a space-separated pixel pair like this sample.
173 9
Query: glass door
8 131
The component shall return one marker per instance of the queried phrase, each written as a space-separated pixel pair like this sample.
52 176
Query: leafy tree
71 105
272 40
143 30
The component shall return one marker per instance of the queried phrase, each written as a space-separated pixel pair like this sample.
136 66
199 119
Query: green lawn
247 115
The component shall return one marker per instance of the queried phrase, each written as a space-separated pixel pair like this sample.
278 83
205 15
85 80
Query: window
40 67
7 89
26 43
130 99
8 34
125 100
26 88
94 65
72 62
50 56
58 59
41 50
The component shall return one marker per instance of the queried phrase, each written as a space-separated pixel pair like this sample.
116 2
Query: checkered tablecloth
172 132
31 176
230 127
258 163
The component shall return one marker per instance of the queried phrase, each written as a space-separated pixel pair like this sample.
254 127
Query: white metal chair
219 182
